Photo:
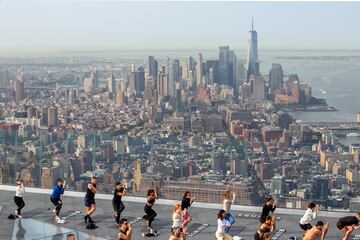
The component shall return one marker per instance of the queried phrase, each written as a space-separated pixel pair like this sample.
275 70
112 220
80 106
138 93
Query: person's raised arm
234 197
156 192
124 193
273 225
129 233
324 231
92 188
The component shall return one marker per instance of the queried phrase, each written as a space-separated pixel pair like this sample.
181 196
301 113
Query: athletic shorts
305 227
89 201
55 201
340 225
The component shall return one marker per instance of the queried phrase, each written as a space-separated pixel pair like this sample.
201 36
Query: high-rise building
278 186
239 76
162 84
320 188
140 80
276 77
258 87
224 64
19 87
72 96
137 79
232 68
89 85
191 63
252 63
150 87
95 76
238 166
219 163
44 115
52 116
152 67
173 76
112 85
293 87
120 97
199 69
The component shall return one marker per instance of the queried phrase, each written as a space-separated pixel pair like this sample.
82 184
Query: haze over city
49 27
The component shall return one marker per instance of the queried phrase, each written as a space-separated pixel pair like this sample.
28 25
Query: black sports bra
151 201
265 229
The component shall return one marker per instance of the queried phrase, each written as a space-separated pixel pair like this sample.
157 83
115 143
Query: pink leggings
187 219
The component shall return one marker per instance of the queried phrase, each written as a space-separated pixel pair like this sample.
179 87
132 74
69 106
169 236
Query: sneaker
60 221
19 216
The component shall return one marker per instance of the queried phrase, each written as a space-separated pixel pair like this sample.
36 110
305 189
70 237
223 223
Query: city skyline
53 27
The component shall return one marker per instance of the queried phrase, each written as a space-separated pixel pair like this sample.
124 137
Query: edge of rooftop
171 202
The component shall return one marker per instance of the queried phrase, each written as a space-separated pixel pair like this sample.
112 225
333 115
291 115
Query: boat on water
353 134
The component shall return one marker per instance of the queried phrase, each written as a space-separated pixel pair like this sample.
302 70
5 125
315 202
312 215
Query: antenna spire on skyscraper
252 23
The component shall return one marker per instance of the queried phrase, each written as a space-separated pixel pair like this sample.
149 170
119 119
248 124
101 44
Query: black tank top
89 193
117 198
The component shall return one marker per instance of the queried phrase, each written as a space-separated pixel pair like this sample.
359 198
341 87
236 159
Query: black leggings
150 214
118 208
58 204
19 203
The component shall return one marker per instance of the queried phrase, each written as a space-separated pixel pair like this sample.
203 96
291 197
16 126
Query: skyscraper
152 67
276 77
278 186
232 69
95 76
252 63
258 87
52 116
199 69
173 76
89 85
223 64
239 76
112 85
71 96
19 87
140 80
162 84
137 79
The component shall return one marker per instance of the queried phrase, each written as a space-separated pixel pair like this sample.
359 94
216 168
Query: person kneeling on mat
125 230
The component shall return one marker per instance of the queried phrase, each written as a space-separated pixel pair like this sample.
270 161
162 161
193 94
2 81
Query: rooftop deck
38 220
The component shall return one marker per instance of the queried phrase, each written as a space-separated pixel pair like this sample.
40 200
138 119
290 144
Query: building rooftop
38 220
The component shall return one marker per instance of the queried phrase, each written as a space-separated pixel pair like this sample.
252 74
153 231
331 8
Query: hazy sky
36 25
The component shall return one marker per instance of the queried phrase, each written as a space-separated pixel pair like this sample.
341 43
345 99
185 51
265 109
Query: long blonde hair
227 195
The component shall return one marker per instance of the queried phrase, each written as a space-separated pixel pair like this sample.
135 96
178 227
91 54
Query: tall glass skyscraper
252 63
